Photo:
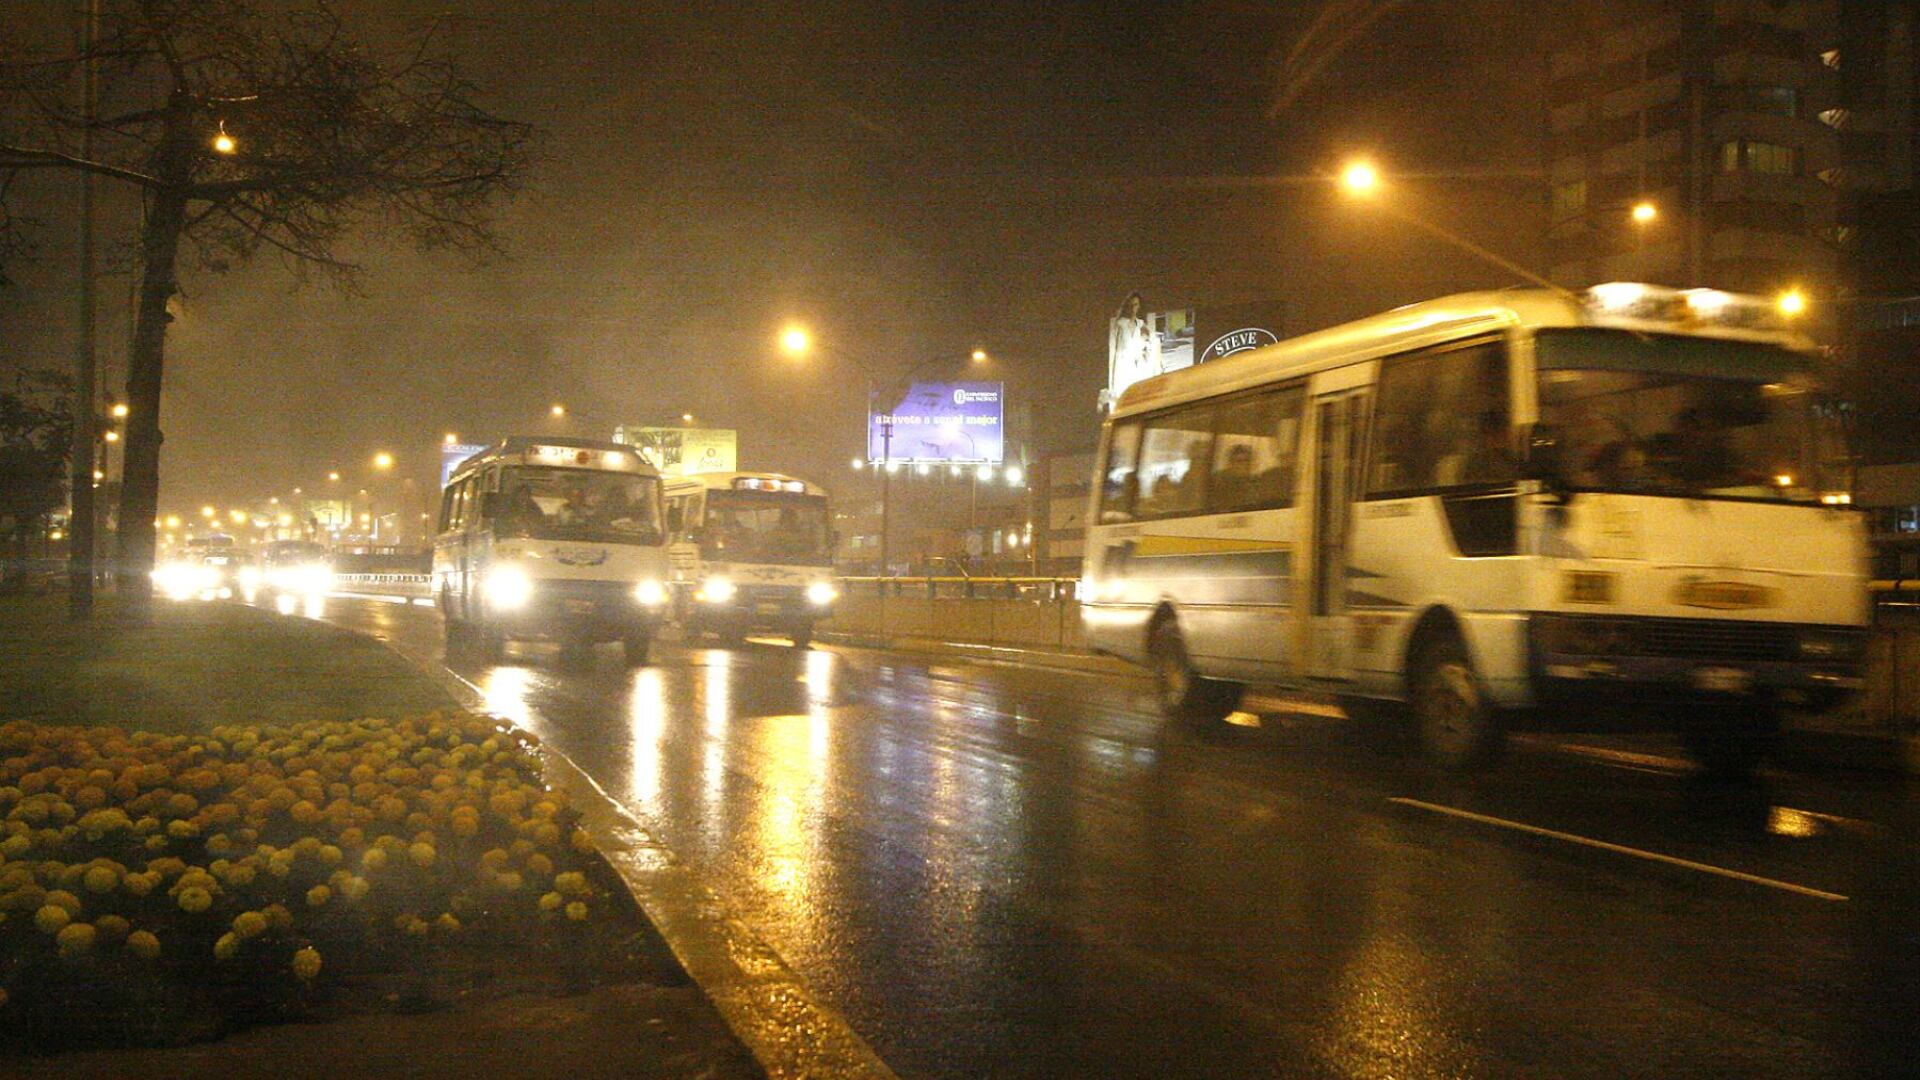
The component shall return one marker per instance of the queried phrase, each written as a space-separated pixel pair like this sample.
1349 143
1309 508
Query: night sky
908 179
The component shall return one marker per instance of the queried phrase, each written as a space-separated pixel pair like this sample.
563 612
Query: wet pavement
1004 871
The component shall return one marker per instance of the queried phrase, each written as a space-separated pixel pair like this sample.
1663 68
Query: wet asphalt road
1005 871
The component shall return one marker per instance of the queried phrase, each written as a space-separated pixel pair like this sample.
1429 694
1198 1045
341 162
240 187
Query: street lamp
207 512
557 410
223 143
1644 212
1792 303
451 438
120 411
383 460
333 476
1362 181
796 342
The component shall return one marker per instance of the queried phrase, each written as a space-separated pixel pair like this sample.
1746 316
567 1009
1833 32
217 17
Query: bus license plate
769 609
580 607
1722 680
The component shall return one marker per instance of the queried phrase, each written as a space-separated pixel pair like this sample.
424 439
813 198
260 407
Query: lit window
1831 58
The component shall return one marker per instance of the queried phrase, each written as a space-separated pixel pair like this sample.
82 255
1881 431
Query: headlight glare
508 587
822 593
717 590
650 593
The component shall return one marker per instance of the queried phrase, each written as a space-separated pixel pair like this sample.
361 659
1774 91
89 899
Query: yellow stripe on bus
1203 545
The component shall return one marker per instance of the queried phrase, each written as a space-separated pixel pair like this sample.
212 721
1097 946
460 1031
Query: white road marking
1619 849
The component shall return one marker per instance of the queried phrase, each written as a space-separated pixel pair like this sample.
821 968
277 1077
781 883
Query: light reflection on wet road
1006 871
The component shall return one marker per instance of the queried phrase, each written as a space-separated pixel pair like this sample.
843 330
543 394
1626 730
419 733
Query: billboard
329 513
679 451
959 423
1230 328
452 454
1142 344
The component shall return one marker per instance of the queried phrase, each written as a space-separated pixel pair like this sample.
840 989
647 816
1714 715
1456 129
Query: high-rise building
1739 144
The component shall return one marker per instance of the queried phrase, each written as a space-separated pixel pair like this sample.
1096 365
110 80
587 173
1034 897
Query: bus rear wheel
1731 742
1459 728
1184 694
802 636
636 647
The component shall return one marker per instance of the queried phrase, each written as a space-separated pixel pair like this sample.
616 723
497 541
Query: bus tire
1184 694
802 636
1730 742
636 646
1459 729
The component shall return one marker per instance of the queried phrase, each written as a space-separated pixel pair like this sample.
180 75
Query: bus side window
1118 485
1256 452
446 508
460 496
1442 421
1174 453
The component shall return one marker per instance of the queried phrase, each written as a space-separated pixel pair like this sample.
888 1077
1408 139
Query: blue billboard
452 454
959 423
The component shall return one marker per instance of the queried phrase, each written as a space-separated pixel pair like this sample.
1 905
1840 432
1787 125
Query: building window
1745 155
1831 58
1569 199
1775 100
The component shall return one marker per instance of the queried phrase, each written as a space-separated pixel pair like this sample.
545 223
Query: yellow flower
227 947
330 855
353 888
374 859
318 896
112 927
63 899
581 842
571 883
306 964
552 902
249 924
101 879
51 919
194 899
75 939
540 864
143 945
182 829
495 859
447 923
422 855
577 911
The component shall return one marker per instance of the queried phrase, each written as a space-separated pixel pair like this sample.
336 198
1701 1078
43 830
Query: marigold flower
306 964
318 896
422 855
249 924
143 944
63 899
571 883
101 879
75 939
577 911
194 899
227 947
51 919
112 928
552 902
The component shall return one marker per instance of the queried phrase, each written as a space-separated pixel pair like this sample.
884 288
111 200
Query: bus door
1339 421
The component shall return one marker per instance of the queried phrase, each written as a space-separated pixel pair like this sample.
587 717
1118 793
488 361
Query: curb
997 654
769 1008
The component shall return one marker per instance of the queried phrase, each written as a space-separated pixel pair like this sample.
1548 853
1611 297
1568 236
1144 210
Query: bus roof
729 481
1623 305
560 453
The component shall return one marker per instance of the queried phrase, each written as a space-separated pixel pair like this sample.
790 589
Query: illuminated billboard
679 451
452 454
1142 344
959 423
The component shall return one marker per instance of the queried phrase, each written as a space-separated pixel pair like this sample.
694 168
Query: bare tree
248 128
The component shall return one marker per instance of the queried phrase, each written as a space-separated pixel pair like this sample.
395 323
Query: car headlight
508 587
650 593
249 577
716 591
822 593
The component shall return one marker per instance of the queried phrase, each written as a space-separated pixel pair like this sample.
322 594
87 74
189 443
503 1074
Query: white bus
552 538
751 551
1520 507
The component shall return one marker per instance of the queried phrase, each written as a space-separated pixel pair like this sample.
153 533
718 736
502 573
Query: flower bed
158 888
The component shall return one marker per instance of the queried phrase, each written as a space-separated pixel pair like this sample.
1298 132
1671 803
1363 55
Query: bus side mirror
1545 461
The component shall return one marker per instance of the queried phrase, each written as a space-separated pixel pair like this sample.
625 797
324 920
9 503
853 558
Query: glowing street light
383 460
334 476
1644 212
451 438
1792 303
686 418
173 521
795 341
207 512
110 435
557 410
120 411
223 143
237 516
979 356
1360 179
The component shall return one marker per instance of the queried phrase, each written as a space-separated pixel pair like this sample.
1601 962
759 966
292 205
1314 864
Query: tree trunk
146 360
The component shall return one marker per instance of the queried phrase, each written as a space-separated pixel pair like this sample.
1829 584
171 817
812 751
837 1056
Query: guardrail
964 588
408 585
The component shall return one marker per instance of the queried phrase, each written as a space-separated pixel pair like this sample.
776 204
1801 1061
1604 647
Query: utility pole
82 518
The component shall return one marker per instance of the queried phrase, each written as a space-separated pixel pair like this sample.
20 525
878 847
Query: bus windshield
1691 417
767 527
578 504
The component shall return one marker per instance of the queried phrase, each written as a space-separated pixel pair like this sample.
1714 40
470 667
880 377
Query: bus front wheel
1459 729
636 647
1731 741
1184 694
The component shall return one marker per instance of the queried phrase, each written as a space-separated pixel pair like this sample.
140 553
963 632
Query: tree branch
26 157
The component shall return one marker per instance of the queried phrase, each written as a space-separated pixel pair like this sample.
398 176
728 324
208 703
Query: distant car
297 566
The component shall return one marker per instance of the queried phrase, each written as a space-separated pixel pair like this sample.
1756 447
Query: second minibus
751 551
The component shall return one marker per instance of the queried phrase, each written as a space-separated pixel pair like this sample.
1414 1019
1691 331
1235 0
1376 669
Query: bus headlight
249 578
650 593
508 587
716 591
822 593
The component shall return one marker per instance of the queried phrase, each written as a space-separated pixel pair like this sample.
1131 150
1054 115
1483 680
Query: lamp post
1362 182
798 342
